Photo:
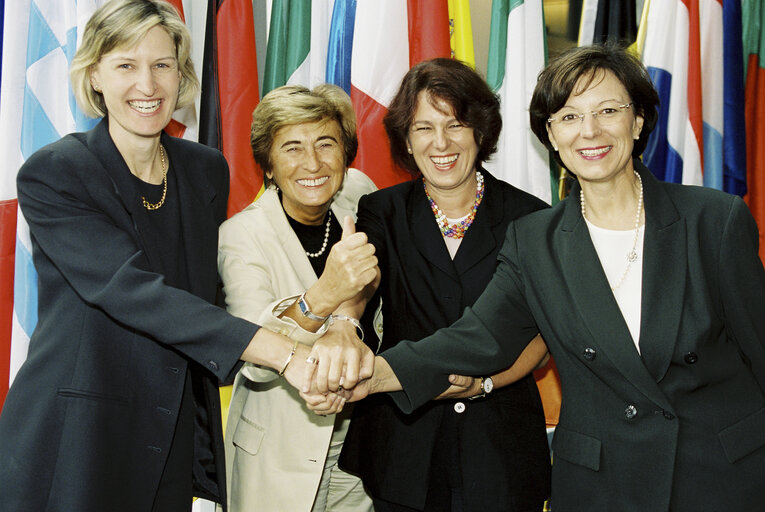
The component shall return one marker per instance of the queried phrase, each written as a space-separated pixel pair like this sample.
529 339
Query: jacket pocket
744 436
248 436
91 395
576 448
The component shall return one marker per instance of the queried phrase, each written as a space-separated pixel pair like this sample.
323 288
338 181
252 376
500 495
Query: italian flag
517 53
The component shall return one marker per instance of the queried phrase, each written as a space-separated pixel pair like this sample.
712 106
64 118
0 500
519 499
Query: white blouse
612 247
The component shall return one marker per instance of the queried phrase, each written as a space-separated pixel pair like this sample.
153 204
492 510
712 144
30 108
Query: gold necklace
156 206
632 256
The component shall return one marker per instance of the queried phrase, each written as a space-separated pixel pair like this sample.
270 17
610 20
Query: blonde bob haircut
294 104
122 23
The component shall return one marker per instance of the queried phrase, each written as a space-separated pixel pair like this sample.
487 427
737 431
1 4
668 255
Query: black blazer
679 426
502 439
91 414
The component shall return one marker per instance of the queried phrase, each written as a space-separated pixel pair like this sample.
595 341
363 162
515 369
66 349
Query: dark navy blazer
90 417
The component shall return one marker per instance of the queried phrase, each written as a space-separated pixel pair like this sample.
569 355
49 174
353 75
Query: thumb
349 227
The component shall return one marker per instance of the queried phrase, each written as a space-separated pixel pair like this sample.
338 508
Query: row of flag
703 55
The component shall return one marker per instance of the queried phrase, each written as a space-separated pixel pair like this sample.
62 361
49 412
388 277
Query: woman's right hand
462 386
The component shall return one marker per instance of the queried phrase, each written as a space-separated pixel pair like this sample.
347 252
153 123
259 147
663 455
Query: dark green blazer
90 417
679 426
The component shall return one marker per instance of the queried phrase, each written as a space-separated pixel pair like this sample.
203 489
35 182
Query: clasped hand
342 360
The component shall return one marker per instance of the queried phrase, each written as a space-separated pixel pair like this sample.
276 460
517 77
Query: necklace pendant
632 256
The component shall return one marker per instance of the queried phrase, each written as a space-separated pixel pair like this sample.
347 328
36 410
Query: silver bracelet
289 359
352 320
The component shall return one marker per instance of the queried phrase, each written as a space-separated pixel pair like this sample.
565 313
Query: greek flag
37 107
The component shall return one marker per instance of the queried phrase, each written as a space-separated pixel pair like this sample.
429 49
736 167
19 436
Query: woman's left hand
462 386
351 266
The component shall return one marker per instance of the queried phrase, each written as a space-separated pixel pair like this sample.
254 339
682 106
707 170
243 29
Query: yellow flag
461 31
225 401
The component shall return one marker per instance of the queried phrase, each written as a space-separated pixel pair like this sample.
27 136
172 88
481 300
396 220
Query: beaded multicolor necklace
459 229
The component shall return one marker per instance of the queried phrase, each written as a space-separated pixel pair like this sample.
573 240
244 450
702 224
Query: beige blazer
275 446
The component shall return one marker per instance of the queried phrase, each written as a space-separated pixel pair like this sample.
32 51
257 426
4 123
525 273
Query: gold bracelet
289 358
355 323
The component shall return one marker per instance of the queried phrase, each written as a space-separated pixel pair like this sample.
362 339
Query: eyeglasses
605 116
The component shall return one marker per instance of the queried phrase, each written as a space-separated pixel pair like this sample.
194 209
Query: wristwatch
306 311
487 386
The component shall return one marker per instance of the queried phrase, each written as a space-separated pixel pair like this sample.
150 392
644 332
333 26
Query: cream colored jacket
275 446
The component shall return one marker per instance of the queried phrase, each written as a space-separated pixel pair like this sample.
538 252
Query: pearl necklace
156 206
459 229
326 239
632 256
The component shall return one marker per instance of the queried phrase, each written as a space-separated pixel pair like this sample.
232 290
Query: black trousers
445 480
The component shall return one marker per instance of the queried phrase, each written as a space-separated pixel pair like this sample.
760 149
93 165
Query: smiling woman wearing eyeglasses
650 297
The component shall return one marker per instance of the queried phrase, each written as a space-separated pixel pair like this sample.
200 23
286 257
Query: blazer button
630 412
668 415
213 365
589 354
459 407
691 357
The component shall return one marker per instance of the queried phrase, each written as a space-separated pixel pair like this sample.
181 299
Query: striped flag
230 92
289 43
389 37
754 53
693 52
185 122
734 179
36 108
604 20
517 53
461 34
340 44
299 41
672 56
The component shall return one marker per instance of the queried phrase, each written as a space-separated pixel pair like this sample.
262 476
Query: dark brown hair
459 86
559 79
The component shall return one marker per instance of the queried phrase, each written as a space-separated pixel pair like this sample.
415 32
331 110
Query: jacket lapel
480 239
287 238
197 219
424 231
595 303
664 273
101 145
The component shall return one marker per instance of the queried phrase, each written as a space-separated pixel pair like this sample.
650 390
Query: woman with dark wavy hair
483 446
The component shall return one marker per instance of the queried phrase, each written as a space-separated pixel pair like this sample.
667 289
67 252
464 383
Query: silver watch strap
306 311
